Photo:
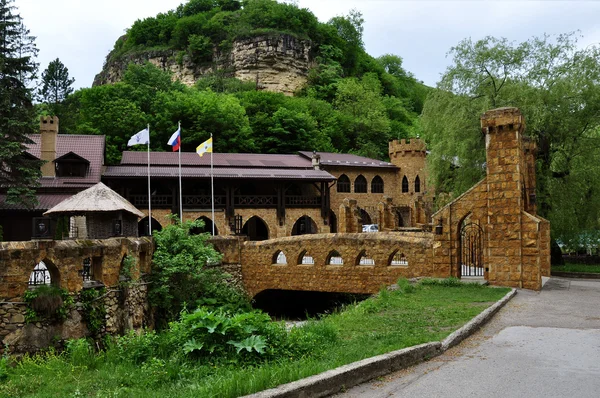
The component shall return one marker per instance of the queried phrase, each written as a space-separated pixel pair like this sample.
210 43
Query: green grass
589 268
393 320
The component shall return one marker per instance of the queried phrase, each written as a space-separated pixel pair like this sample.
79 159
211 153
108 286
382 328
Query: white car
370 228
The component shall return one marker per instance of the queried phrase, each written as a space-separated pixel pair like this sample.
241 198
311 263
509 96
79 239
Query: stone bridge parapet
343 262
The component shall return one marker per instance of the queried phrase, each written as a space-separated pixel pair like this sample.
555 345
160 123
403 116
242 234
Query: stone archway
256 229
208 227
470 254
143 226
304 226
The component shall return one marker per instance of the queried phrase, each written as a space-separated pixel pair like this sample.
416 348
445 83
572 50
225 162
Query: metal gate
471 250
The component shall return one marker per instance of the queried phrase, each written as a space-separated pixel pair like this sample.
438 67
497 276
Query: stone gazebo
98 213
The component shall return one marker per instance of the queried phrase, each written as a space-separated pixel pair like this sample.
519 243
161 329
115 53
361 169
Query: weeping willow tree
555 83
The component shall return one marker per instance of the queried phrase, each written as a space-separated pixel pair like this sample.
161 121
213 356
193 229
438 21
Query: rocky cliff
276 63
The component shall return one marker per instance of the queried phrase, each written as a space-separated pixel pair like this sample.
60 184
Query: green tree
19 173
180 277
56 86
556 86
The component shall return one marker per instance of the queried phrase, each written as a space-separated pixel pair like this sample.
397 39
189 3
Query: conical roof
98 198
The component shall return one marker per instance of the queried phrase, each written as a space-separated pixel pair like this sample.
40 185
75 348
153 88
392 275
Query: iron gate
471 250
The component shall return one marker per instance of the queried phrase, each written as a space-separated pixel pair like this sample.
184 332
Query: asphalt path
541 344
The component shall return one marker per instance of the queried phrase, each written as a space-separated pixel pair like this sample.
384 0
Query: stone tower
48 133
410 157
503 129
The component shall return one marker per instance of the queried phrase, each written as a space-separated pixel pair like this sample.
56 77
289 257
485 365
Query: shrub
47 301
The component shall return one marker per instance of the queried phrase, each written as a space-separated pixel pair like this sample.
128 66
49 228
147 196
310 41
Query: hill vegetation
351 103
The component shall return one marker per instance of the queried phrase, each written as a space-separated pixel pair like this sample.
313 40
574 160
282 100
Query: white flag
143 137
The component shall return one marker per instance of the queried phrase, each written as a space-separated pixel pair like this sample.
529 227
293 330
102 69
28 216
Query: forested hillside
352 102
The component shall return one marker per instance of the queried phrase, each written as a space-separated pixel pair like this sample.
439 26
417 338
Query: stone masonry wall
64 260
516 244
260 272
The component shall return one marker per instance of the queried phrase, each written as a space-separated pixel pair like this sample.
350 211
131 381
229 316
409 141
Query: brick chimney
48 133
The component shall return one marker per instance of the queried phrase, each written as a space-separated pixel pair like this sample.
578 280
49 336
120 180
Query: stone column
505 167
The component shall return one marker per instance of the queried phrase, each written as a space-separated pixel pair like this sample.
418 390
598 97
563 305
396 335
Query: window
404 184
40 275
399 259
71 165
305 259
343 184
64 169
417 184
360 185
280 258
364 260
334 258
377 185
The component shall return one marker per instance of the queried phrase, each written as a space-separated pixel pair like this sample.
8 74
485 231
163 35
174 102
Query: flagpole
180 188
212 187
149 196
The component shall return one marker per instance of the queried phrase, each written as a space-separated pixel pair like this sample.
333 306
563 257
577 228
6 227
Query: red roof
46 201
347 160
89 147
221 173
253 160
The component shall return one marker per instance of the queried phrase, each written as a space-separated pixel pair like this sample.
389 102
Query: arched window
40 275
334 258
417 184
360 185
398 259
305 259
279 258
44 273
404 184
343 183
363 259
377 185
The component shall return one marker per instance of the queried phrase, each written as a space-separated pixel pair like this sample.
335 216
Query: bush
179 277
47 301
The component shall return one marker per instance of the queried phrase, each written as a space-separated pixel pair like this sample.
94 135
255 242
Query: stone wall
276 62
126 305
516 243
261 272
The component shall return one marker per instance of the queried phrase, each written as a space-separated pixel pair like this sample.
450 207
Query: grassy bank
586 268
393 320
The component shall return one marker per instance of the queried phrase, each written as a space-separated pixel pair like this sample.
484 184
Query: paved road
541 344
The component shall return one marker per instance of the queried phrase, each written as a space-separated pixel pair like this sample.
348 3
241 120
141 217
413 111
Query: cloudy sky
82 32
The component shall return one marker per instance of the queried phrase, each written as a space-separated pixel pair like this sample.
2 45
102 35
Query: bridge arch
256 229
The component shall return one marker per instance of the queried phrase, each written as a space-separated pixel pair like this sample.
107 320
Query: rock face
276 62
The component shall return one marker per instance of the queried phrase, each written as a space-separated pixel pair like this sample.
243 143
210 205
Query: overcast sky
82 32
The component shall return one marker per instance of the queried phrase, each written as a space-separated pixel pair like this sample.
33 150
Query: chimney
48 133
316 161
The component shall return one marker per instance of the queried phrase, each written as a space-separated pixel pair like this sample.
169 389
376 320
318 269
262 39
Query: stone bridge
343 262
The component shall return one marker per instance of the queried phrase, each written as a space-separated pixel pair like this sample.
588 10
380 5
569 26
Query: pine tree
56 84
19 173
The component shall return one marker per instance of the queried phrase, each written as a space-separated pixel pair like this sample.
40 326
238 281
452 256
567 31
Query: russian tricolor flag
175 140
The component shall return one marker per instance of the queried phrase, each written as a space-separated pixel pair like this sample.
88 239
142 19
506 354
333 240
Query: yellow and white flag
206 146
